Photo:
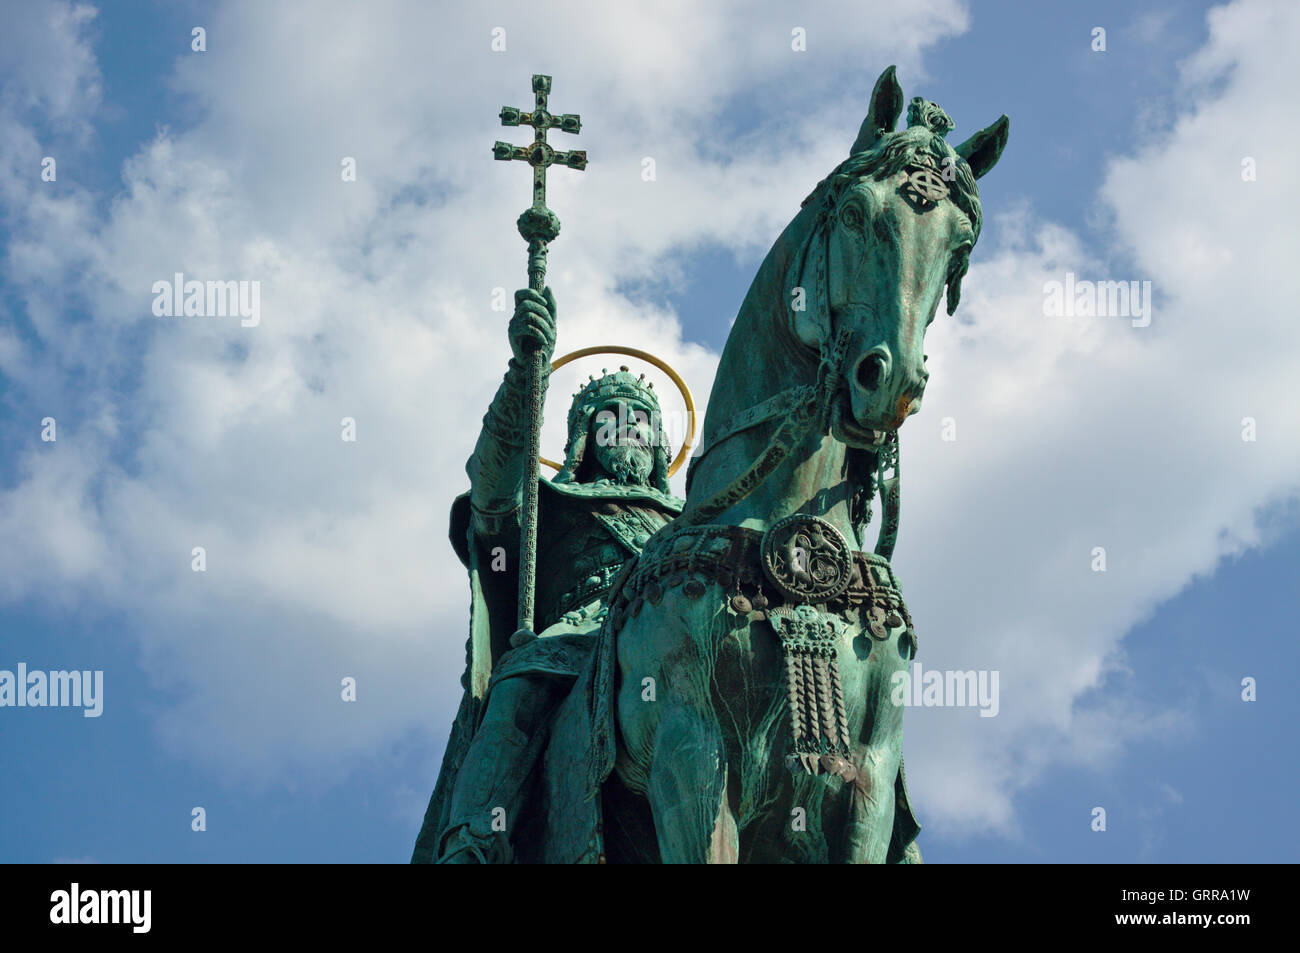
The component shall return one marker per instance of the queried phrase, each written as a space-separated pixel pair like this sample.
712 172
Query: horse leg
871 823
688 791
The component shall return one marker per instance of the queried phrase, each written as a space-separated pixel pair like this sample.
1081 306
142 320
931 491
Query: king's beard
626 463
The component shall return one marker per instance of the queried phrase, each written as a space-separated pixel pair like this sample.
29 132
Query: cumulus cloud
328 559
1075 433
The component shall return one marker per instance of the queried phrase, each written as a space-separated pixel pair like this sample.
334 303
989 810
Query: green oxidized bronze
538 226
712 684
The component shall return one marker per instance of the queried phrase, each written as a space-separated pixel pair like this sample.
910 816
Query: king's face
623 438
621 421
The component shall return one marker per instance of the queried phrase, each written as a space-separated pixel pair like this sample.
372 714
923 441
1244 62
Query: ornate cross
538 225
540 154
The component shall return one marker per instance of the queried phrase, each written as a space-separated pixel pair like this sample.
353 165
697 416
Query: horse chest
814 672
790 636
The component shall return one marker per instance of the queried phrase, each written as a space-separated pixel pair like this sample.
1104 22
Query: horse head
762 583
892 226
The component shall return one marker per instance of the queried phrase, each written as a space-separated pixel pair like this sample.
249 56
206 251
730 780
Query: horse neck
761 358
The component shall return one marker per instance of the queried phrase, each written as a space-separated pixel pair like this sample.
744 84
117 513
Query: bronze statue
728 696
610 496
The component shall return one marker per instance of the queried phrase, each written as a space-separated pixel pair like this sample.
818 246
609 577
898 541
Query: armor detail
583 545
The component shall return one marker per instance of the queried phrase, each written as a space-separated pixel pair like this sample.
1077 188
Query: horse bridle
802 409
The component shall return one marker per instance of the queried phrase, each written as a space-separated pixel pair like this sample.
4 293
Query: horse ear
886 106
983 149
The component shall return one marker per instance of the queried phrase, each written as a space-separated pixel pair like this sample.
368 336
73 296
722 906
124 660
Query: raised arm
497 467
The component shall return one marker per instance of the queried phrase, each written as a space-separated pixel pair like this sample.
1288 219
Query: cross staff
539 226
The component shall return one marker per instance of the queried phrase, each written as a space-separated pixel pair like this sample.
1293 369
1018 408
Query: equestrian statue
652 680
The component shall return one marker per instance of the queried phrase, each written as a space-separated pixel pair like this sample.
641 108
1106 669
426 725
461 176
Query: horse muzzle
845 428
881 395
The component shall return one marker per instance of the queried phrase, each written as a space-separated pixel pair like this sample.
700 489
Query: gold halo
650 359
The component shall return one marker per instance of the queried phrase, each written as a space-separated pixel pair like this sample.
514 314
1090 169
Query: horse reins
802 409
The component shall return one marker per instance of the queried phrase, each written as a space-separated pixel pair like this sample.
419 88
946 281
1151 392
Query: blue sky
1120 690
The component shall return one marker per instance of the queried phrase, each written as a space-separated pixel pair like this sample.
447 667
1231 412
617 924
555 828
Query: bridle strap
811 409
778 405
801 409
789 401
890 493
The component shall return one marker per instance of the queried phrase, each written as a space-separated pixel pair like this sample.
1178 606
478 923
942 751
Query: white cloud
329 559
1075 433
48 62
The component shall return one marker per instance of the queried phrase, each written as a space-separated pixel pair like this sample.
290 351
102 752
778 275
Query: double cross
538 225
540 155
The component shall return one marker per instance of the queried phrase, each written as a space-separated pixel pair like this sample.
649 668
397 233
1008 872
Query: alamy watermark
130 907
1098 299
940 688
24 689
208 299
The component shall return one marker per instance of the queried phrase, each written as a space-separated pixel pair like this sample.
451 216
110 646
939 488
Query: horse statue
738 705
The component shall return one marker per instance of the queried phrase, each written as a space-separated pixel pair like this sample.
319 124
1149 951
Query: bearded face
623 442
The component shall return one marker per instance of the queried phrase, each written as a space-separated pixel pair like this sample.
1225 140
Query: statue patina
610 495
734 703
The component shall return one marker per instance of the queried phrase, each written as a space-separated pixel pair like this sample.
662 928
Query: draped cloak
562 820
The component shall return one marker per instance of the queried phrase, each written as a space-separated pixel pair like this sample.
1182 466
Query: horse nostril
870 371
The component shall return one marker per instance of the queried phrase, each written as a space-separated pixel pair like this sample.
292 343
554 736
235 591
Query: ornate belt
797 562
802 577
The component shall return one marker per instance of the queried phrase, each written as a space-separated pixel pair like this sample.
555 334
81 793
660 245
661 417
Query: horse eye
851 217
